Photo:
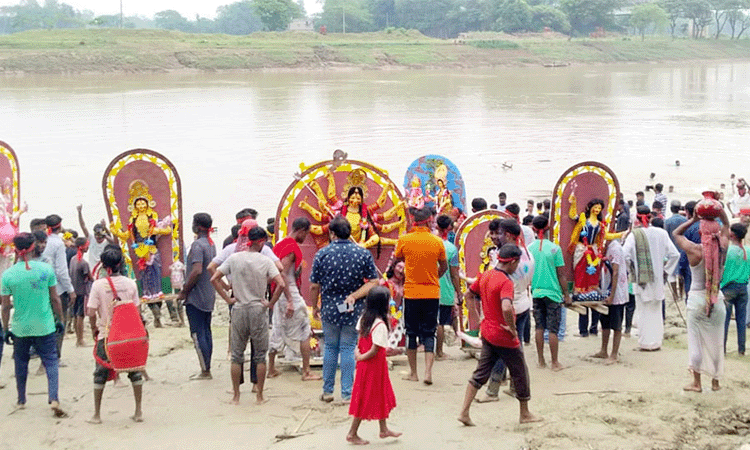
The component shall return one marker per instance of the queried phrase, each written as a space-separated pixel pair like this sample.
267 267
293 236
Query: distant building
301 25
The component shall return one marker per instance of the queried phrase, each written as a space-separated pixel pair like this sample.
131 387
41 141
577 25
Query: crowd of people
699 253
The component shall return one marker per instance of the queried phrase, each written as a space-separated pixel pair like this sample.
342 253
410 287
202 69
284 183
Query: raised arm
82 223
694 251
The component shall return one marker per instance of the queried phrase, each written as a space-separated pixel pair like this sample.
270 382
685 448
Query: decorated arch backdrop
472 241
289 209
587 180
424 168
165 188
9 169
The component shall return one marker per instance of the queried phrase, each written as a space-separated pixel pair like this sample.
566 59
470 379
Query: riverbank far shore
149 51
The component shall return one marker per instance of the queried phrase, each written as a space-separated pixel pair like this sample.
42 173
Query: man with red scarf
290 320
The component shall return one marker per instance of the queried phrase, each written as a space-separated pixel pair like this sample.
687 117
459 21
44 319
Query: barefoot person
99 308
32 285
199 294
450 285
503 232
499 333
423 254
342 274
548 288
291 321
705 310
55 254
616 279
80 277
249 273
372 395
734 284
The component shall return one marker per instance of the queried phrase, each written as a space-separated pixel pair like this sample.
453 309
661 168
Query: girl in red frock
372 394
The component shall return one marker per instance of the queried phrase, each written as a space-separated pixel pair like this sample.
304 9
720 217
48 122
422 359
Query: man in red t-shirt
499 334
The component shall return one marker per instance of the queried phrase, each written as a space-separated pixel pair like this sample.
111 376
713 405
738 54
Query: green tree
513 16
647 15
545 16
276 15
586 15
383 13
238 18
734 12
170 19
430 17
699 13
355 14
736 16
673 8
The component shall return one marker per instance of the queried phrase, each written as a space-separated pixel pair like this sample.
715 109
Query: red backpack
127 341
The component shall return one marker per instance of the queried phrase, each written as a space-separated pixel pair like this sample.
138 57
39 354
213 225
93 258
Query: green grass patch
496 44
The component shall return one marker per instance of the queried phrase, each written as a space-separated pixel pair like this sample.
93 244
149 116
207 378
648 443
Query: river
237 139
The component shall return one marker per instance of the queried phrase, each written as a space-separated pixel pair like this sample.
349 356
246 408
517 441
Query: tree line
239 18
437 18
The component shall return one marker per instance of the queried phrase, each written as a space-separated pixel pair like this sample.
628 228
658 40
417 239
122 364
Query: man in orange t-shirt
423 254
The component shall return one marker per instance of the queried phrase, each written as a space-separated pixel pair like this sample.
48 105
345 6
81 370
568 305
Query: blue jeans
735 294
498 370
46 347
200 331
338 340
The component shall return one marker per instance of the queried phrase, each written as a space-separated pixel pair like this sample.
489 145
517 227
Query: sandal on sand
328 398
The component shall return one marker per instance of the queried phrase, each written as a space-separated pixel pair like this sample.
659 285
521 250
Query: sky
188 8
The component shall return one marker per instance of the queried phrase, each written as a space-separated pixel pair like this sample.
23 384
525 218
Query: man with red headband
199 293
80 276
499 332
423 254
33 287
548 288
504 232
653 254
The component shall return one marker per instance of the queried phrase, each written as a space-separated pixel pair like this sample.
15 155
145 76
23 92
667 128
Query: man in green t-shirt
548 287
450 286
32 285
734 283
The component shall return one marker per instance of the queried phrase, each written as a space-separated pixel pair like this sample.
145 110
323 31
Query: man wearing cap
55 253
102 237
652 254
424 259
249 272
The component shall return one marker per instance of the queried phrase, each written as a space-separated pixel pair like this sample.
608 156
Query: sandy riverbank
636 404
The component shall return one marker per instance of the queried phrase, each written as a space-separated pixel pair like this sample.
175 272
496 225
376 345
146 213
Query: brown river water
237 139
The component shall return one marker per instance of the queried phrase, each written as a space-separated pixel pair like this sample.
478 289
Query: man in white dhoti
706 311
651 254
